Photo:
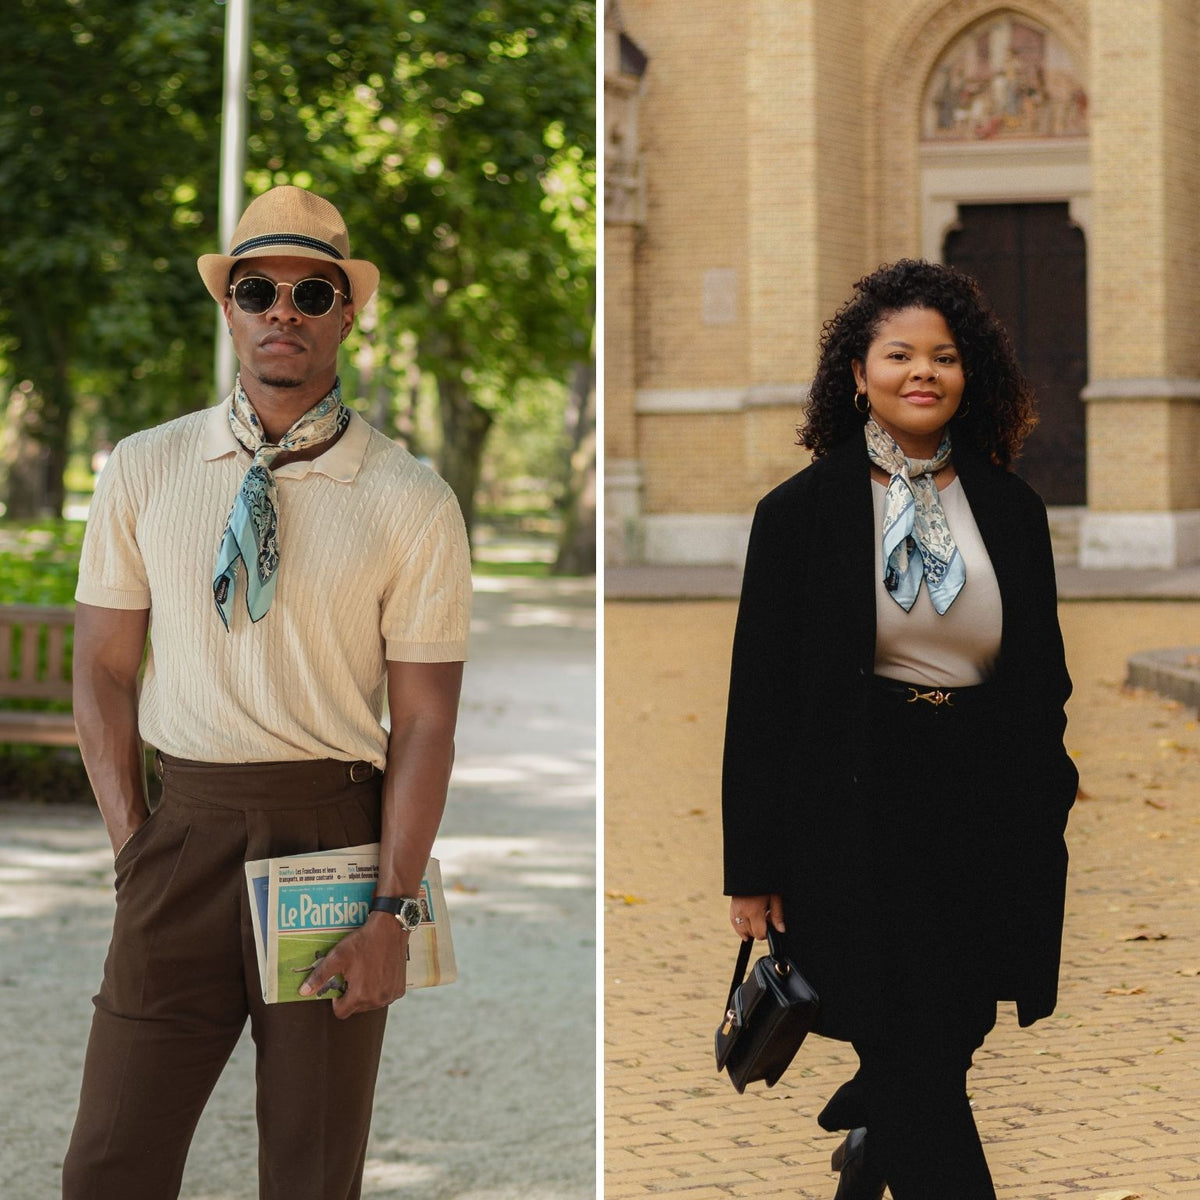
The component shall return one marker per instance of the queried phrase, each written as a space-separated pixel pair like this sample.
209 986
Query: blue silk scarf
251 531
917 542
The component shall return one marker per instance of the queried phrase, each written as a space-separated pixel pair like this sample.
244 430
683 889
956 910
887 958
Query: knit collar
341 462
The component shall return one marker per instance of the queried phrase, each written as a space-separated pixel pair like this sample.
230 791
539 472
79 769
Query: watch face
410 914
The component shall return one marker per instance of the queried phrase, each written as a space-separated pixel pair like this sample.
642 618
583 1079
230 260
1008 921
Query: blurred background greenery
458 139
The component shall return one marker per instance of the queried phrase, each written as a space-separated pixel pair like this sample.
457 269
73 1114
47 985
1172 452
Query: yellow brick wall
620 316
771 454
842 123
783 233
1127 329
693 133
1183 456
1139 429
1143 455
1181 161
692 464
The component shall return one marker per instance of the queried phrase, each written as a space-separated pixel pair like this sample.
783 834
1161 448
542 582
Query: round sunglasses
256 295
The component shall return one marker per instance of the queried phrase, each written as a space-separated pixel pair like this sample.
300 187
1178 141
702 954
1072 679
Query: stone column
624 205
1144 394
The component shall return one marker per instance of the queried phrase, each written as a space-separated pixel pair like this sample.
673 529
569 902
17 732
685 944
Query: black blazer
803 652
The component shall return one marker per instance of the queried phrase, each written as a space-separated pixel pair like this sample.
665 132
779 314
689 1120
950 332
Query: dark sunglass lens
313 297
254 294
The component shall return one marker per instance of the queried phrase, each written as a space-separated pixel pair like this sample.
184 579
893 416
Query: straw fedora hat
289 222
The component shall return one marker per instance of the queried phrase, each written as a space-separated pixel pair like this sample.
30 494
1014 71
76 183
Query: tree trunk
464 431
577 543
23 461
55 432
35 486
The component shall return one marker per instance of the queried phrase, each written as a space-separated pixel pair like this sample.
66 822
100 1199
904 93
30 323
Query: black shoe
847 1108
857 1181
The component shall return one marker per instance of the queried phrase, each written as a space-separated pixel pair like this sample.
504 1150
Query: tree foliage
457 138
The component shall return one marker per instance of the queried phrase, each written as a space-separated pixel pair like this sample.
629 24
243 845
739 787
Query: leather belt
922 695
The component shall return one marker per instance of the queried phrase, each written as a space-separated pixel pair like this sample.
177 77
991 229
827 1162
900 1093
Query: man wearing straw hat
294 568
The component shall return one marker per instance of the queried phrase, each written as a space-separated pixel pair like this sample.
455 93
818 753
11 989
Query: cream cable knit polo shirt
374 565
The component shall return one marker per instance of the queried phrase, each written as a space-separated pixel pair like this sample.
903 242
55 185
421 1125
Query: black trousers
181 979
910 1093
916 986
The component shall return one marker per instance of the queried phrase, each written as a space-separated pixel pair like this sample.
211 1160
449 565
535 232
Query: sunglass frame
276 285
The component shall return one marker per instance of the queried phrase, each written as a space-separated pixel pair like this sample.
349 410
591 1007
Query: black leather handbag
767 1017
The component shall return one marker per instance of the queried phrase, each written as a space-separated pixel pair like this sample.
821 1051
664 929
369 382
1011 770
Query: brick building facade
762 155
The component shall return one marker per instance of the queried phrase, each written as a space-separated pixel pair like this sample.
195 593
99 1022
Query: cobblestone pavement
1100 1101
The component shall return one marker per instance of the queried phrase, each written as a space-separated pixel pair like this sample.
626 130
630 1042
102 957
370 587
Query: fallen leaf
1114 991
1121 1195
1145 937
1191 971
625 897
1155 803
459 886
1080 794
695 812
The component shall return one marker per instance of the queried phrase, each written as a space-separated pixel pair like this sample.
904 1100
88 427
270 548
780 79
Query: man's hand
373 961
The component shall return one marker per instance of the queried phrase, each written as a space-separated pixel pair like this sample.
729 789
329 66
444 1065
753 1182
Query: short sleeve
427 608
112 573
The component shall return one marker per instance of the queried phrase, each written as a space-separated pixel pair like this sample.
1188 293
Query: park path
487 1087
1101 1100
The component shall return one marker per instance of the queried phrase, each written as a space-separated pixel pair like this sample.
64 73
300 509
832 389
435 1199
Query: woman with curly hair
895 782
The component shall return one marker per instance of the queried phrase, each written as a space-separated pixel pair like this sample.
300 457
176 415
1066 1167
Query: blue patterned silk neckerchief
250 531
916 538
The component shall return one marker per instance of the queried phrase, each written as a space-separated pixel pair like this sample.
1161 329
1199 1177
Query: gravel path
487 1087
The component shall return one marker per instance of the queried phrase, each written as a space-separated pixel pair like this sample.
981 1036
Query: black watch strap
396 905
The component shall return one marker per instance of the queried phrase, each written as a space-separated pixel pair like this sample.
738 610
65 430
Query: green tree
474 186
94 130
458 139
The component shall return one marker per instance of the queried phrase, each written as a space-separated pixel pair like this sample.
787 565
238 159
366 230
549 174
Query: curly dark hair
998 409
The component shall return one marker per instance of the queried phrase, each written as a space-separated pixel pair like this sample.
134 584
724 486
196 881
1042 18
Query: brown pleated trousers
181 978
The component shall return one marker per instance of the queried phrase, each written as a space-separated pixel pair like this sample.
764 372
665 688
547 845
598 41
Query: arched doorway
1031 261
1005 196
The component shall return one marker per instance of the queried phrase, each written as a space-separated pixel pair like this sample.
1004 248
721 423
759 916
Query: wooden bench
34 665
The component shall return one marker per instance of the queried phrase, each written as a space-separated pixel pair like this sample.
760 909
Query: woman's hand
748 915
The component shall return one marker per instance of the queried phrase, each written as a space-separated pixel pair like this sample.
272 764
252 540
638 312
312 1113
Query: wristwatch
406 909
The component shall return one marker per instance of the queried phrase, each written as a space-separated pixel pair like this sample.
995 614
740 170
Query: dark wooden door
1031 262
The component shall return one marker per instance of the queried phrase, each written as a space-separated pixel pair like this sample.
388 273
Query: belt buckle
934 696
360 772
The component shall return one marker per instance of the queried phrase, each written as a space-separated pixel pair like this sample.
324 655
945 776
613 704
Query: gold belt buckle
934 696
360 772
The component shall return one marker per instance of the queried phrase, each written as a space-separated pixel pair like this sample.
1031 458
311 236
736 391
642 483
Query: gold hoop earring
865 408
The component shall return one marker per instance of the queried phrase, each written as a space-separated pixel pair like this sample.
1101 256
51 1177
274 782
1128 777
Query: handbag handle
781 964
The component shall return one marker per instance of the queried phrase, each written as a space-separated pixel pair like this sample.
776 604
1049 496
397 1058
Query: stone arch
897 87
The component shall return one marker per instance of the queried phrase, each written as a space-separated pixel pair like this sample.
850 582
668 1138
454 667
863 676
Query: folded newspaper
304 904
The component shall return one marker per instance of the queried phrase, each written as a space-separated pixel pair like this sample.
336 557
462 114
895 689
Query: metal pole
233 162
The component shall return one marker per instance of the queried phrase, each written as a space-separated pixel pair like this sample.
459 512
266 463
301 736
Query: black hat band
285 239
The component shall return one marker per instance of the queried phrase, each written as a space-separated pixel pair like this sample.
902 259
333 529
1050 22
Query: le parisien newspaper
302 905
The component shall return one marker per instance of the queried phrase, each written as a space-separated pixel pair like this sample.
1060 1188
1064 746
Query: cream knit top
374 565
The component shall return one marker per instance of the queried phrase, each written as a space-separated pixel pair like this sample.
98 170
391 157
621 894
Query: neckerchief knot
250 535
917 542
